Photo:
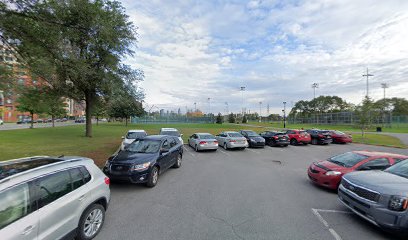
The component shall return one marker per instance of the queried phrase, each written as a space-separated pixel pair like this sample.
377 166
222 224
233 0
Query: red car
328 173
298 136
340 137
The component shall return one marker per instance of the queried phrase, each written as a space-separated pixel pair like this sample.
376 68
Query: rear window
134 135
302 132
170 133
347 159
397 160
206 136
338 132
234 135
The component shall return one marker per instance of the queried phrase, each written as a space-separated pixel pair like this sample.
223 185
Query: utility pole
260 111
195 107
314 86
209 105
226 108
284 114
367 75
242 94
267 109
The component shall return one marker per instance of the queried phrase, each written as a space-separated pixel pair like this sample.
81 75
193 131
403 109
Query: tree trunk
126 120
32 120
88 113
53 120
97 120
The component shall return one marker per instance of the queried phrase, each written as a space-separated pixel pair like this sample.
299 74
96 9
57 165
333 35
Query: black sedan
322 137
143 160
275 138
253 138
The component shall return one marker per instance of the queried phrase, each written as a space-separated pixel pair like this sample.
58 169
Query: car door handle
27 230
81 198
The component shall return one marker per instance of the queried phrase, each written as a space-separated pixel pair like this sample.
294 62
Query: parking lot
238 194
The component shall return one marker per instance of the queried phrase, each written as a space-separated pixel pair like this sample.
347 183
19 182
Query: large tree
75 45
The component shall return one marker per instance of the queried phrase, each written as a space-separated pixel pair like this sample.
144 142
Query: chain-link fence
170 120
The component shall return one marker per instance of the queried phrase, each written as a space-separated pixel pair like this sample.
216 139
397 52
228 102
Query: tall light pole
284 114
195 107
226 108
209 105
367 75
384 86
242 95
260 111
314 86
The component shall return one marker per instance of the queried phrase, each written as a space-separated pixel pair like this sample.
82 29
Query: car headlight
140 167
398 203
332 173
107 164
252 140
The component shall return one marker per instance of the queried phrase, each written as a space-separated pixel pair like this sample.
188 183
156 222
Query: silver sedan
203 141
231 140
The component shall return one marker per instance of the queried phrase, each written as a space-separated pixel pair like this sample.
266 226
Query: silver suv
52 198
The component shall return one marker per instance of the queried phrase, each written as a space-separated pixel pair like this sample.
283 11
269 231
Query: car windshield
170 133
338 132
144 146
347 159
252 134
234 135
206 136
400 169
134 135
302 132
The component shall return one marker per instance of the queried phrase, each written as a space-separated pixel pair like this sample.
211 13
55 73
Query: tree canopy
77 46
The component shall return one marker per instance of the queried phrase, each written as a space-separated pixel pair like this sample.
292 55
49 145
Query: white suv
52 198
171 132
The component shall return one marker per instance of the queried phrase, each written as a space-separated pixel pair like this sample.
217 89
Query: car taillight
232 141
203 142
320 135
276 137
107 180
215 142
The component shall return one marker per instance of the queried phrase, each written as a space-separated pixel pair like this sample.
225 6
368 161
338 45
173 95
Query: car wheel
305 143
285 145
314 141
177 164
91 221
225 146
153 177
293 141
196 148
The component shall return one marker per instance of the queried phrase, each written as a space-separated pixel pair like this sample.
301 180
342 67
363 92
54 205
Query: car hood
326 165
380 181
257 138
128 141
133 158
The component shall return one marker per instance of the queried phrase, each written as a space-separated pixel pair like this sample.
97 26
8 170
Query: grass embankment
397 128
106 139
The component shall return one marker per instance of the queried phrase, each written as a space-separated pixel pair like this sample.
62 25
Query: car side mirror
181 135
123 137
163 150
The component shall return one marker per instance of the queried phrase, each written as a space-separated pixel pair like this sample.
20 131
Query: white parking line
224 152
325 223
189 152
253 151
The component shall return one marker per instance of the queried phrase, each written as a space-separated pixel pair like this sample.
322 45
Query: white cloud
194 50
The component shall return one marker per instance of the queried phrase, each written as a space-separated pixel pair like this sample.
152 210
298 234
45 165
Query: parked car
275 138
131 136
40 120
380 197
80 120
340 137
319 136
1 122
171 132
328 173
24 121
231 139
144 159
52 198
253 138
298 137
203 141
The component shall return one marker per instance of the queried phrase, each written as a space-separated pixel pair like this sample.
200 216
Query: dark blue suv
143 160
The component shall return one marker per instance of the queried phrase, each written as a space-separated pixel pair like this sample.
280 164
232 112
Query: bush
231 118
244 119
219 119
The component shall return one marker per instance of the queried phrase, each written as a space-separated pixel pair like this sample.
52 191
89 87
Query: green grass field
106 139
397 128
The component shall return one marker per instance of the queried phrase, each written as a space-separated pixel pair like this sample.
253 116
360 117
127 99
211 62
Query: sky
191 51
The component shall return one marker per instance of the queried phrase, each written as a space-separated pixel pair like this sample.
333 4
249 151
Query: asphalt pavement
14 126
244 194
